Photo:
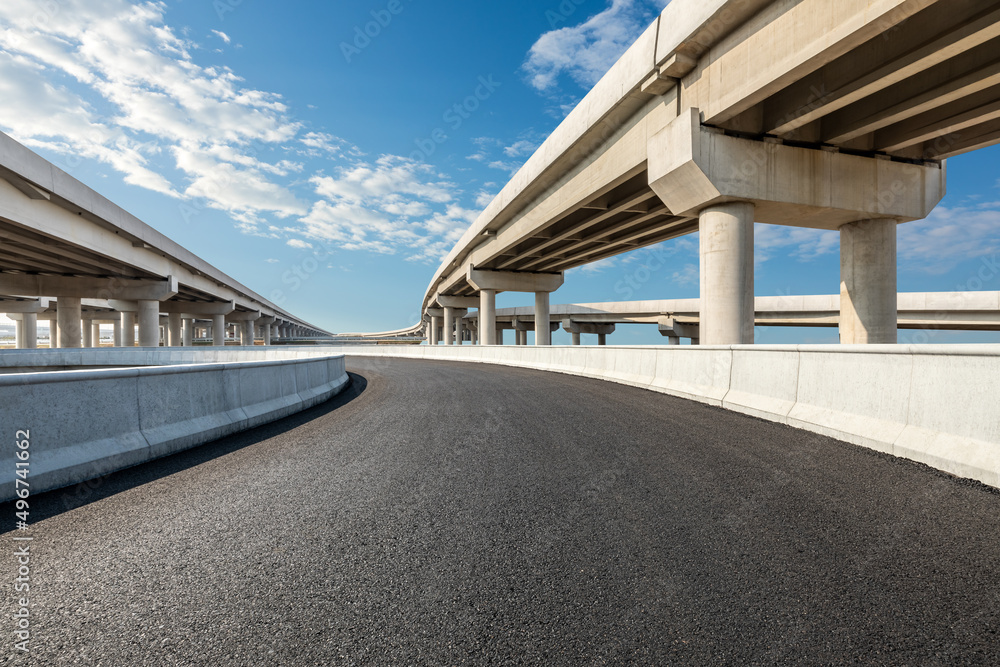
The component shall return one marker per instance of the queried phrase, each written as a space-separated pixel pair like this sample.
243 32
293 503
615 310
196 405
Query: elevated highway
62 244
828 115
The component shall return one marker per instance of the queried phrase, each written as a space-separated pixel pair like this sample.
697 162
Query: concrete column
727 294
543 330
602 339
267 334
248 334
522 337
488 316
118 333
576 338
70 325
174 338
18 334
434 331
499 339
459 331
128 329
29 330
868 310
149 323
88 333
474 336
53 335
673 340
449 326
218 330
187 332
97 333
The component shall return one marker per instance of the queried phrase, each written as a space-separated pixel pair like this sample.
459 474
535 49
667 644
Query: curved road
446 514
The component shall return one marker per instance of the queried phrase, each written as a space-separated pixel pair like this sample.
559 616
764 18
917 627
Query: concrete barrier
936 404
87 423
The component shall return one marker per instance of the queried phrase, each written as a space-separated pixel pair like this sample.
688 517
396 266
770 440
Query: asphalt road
448 514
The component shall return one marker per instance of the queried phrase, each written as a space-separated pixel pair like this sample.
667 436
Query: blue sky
329 169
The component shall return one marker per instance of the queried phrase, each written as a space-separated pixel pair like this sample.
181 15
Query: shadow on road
54 503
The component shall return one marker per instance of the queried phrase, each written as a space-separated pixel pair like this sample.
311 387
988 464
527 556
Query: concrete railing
936 404
86 423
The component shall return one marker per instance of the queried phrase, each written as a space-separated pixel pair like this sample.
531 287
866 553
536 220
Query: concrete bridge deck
459 514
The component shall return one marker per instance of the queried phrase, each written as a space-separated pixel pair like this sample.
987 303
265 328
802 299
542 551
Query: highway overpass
62 245
827 115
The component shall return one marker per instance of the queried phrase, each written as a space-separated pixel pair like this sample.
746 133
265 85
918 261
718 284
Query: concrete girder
465 302
186 308
32 306
574 327
692 167
514 281
61 286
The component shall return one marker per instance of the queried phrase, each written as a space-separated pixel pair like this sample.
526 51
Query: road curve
445 514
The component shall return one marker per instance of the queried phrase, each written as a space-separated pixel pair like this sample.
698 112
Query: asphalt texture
451 514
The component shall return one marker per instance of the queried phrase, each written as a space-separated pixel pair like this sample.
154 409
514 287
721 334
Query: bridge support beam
174 330
128 328
219 330
727 296
28 331
68 312
87 329
543 332
868 310
149 323
488 316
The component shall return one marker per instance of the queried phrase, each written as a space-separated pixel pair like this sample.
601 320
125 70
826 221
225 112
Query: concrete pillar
53 335
117 342
449 326
29 328
128 329
149 323
576 338
187 332
88 333
727 294
602 339
499 338
459 331
673 340
868 310
474 336
543 330
174 330
434 335
248 334
18 334
218 330
70 325
522 337
488 316
266 330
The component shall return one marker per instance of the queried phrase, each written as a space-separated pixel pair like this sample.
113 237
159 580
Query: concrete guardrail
87 423
935 404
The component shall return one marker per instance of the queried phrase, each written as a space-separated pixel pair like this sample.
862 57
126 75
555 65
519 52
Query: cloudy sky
330 170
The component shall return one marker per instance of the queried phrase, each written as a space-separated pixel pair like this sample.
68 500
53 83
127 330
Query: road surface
446 514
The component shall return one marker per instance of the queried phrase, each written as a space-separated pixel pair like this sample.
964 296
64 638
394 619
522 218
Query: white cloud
949 236
300 244
110 80
689 274
586 51
520 148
